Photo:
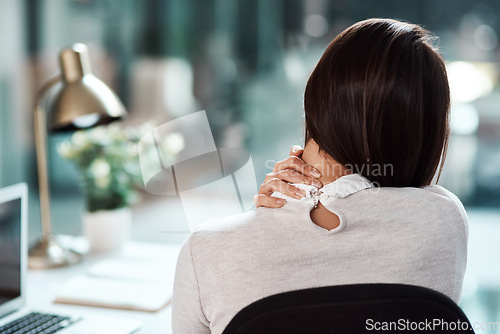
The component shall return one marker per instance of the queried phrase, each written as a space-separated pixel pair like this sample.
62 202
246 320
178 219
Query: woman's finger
296 151
292 176
267 188
268 201
298 165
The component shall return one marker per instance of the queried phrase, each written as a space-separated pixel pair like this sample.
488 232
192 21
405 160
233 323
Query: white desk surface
157 222
43 285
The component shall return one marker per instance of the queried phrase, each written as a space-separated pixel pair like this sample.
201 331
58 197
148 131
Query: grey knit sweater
394 235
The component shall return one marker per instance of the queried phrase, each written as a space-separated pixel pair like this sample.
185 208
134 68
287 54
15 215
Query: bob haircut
379 97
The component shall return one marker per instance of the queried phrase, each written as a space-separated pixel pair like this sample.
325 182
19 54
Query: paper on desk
128 282
113 293
132 269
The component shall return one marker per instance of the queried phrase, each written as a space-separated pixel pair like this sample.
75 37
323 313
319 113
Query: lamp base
50 253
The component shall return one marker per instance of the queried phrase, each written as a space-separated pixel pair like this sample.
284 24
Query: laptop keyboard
36 323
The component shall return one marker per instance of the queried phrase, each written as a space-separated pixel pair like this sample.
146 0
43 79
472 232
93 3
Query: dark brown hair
379 96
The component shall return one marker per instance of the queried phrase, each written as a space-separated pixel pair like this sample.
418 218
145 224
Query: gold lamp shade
83 101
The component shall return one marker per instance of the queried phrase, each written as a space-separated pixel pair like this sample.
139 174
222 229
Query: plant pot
107 230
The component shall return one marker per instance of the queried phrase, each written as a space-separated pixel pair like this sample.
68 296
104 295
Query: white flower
100 168
99 135
103 182
115 132
65 150
79 139
132 149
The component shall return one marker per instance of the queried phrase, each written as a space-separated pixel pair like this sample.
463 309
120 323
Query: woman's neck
329 168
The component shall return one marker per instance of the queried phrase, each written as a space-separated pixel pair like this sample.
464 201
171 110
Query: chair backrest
357 308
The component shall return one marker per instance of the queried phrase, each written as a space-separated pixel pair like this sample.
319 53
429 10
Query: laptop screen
10 250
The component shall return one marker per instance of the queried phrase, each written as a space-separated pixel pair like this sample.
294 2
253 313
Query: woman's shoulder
225 224
429 203
432 196
447 196
454 203
232 227
233 238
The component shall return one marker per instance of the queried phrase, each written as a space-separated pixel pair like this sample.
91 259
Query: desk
42 286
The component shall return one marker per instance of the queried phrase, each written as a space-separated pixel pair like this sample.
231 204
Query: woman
376 112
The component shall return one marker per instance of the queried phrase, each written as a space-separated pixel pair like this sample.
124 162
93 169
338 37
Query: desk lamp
81 101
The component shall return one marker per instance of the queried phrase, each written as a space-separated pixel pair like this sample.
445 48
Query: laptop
15 317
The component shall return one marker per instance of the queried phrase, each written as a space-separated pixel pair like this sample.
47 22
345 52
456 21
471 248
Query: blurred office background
246 63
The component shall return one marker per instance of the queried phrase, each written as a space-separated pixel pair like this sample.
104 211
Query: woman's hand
290 170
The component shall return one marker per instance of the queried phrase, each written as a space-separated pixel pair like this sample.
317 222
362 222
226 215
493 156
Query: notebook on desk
15 317
131 281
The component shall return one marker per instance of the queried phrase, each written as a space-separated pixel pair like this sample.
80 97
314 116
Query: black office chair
357 308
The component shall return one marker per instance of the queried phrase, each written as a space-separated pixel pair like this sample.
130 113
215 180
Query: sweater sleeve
187 313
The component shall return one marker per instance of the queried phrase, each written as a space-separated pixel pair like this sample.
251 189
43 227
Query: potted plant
107 160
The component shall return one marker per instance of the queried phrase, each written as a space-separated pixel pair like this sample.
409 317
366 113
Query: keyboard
36 323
